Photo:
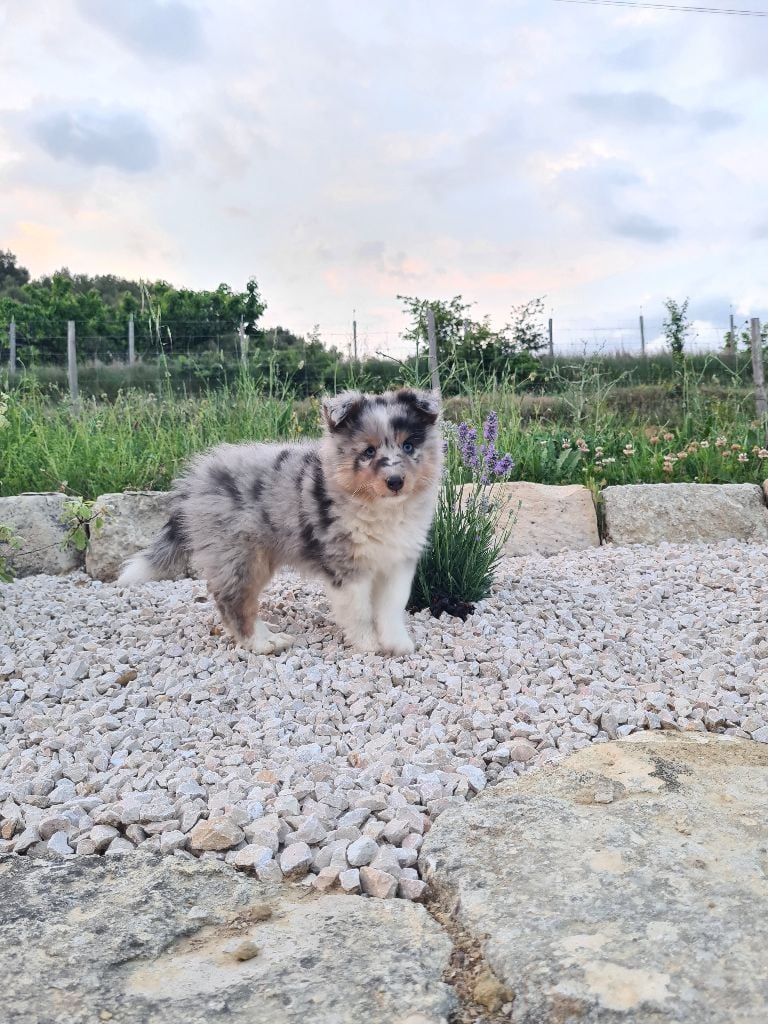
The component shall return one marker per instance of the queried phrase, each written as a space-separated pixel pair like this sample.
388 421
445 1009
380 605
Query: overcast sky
345 152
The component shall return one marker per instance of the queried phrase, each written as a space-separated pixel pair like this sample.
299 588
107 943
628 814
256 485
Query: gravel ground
127 720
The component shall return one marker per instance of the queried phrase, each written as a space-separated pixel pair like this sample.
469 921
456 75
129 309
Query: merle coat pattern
353 509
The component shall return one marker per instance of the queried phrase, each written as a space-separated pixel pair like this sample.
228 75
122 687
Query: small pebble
242 949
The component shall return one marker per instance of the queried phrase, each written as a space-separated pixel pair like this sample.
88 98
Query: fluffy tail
163 560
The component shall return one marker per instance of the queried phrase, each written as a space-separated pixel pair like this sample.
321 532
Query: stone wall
544 520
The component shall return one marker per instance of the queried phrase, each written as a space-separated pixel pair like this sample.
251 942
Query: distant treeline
191 340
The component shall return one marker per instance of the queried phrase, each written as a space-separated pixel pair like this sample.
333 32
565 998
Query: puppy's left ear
425 403
339 409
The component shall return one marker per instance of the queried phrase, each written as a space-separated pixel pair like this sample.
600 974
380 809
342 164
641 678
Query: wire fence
568 337
186 345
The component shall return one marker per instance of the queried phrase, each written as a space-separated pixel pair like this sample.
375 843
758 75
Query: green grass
141 439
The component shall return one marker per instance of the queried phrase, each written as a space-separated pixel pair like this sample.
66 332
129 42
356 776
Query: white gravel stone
102 836
119 709
25 839
58 845
523 750
215 834
119 848
296 860
411 888
349 880
51 824
379 884
474 775
252 857
361 852
172 840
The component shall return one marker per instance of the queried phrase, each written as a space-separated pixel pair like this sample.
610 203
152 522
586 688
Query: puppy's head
383 447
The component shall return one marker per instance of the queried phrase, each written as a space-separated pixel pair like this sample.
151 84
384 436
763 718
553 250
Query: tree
11 274
527 331
450 320
253 307
676 327
474 343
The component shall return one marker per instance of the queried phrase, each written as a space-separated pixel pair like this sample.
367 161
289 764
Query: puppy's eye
369 452
408 448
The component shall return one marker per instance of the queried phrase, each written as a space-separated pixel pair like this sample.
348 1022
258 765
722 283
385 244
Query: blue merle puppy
353 509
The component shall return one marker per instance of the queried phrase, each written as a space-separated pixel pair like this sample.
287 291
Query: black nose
395 483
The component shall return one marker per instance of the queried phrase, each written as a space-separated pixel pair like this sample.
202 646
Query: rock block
684 513
132 521
39 521
547 519
650 904
186 942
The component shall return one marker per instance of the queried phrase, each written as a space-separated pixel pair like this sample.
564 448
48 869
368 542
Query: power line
681 8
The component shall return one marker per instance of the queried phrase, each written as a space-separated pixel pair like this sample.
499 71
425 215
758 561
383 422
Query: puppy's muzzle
395 483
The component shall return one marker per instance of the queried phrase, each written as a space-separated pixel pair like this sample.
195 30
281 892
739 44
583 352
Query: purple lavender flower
468 446
504 465
484 460
491 427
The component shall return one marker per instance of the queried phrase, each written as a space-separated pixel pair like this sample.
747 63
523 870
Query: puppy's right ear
339 409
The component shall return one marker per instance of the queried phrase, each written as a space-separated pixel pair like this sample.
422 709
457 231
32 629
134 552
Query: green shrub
466 541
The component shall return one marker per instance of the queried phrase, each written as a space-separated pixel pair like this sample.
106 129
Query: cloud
98 137
152 28
628 107
649 108
644 229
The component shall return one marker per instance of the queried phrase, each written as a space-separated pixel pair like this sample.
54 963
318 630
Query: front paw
366 646
397 647
362 641
268 643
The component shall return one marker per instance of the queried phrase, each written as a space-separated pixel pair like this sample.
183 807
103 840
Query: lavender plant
466 542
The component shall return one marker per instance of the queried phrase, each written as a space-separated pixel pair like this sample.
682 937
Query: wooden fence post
551 340
432 338
243 343
732 338
72 360
758 372
12 343
131 341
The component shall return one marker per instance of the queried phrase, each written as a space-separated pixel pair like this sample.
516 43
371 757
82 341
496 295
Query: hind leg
236 589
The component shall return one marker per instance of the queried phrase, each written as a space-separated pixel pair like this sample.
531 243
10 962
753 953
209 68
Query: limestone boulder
39 522
546 519
685 513
628 883
132 521
137 940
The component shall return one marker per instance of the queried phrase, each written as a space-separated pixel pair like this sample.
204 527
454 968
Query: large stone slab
39 521
684 513
628 883
133 520
547 518
145 941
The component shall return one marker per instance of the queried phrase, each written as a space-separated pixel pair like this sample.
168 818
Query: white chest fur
387 532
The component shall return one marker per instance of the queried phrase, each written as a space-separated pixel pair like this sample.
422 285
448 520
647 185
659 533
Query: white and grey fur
353 509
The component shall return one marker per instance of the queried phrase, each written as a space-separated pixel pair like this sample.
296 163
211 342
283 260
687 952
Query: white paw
264 642
282 641
364 643
397 646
